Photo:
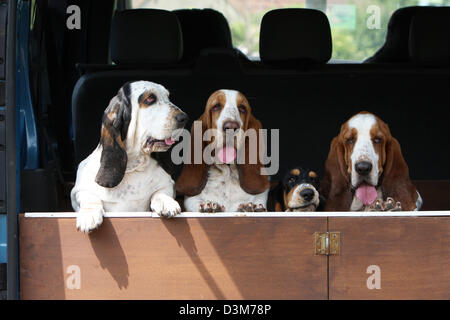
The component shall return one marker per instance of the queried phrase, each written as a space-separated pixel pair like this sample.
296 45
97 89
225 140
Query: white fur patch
363 149
229 112
419 202
164 205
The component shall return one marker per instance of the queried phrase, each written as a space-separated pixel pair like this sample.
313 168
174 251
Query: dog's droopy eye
151 99
242 109
216 107
292 179
377 140
350 141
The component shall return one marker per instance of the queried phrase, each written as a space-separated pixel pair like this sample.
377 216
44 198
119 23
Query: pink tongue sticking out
366 193
169 141
226 154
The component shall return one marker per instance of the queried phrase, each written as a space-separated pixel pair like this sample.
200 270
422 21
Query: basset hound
120 174
228 180
366 171
298 192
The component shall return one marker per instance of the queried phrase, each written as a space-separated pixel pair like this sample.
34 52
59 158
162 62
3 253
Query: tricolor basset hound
120 174
225 184
366 171
298 192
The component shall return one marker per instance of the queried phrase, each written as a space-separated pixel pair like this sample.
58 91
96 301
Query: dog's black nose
363 167
182 118
230 125
307 194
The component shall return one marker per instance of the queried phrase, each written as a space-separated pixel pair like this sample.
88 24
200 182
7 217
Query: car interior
294 86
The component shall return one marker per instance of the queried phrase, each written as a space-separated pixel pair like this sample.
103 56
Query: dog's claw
260 208
211 207
388 205
251 207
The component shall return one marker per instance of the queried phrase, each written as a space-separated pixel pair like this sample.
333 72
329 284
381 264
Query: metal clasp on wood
327 243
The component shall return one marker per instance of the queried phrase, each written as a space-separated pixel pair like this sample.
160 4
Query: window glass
358 26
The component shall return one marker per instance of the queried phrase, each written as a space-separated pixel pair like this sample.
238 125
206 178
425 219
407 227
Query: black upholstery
295 35
429 38
308 105
145 36
202 29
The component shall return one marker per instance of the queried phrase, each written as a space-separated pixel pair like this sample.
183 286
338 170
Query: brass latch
327 243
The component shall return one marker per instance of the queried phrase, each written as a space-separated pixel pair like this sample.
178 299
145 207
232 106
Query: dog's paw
210 207
89 219
251 207
388 205
165 206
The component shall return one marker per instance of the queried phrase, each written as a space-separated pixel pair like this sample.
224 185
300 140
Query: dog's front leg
90 212
164 204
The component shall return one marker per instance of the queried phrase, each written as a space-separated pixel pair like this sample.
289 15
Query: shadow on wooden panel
180 230
110 253
38 241
272 258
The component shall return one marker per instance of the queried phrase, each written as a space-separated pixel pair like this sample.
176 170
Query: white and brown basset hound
366 171
225 184
120 174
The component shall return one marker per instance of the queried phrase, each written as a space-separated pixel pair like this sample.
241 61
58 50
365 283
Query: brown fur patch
106 136
312 174
278 207
218 97
381 131
295 172
241 100
288 197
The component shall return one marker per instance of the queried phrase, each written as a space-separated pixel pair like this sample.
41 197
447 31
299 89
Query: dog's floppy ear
250 177
115 122
335 186
193 177
395 181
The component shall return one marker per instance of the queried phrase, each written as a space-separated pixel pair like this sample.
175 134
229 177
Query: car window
358 26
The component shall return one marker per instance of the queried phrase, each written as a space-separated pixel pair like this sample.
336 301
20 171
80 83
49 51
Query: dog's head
227 117
232 134
139 120
300 190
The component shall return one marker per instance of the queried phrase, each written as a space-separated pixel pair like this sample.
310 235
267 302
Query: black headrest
145 36
429 37
289 35
397 47
201 29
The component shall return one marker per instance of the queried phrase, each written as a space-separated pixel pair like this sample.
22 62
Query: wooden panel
148 258
413 255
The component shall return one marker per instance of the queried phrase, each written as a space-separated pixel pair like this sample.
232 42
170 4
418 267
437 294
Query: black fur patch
116 119
291 180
